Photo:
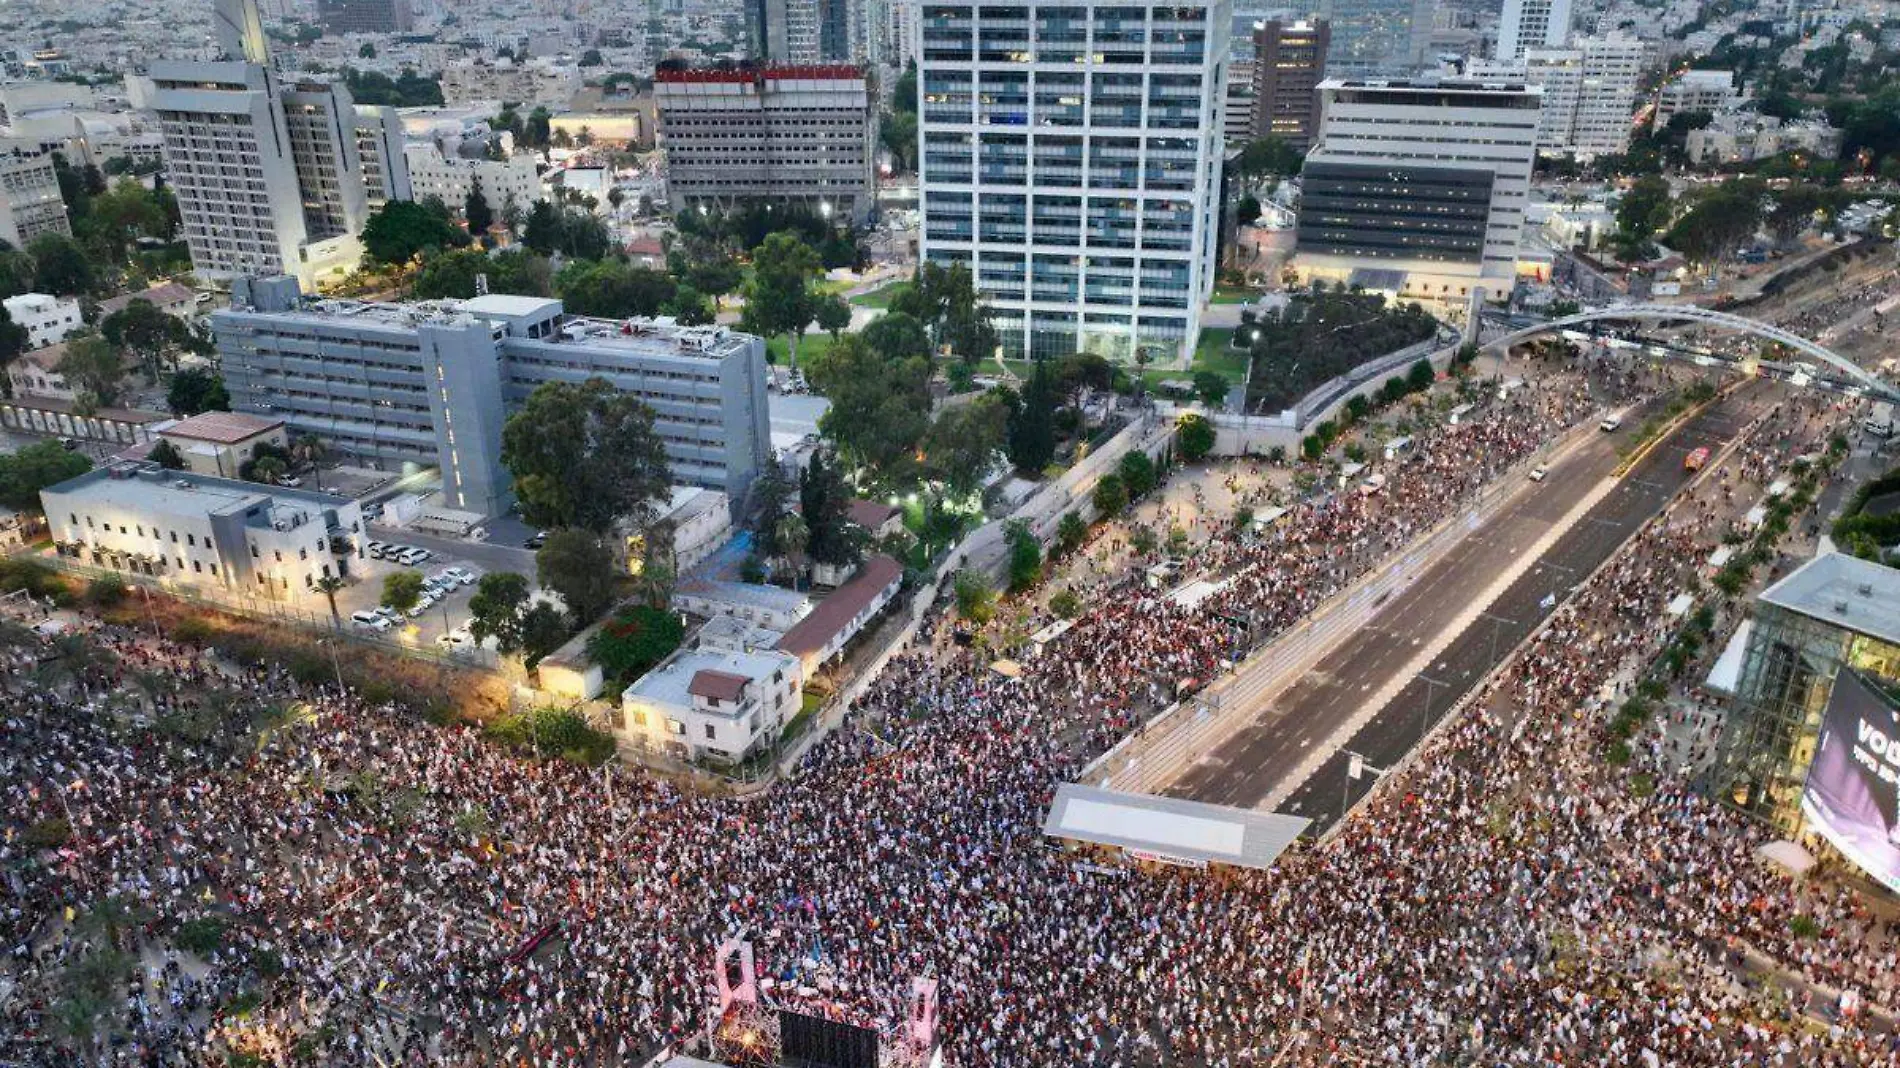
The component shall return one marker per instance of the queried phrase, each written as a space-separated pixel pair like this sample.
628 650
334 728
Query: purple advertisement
1853 791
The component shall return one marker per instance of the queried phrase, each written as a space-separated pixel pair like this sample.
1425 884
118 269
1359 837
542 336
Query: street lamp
335 663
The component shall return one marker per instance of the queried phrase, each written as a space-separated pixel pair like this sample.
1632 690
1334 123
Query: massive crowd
251 865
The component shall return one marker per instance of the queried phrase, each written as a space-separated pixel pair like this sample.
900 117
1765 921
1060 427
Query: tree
13 342
1138 473
17 271
367 51
574 233
1793 211
976 598
772 493
195 390
1645 208
584 456
25 472
633 641
401 230
1195 435
824 503
1421 376
497 608
476 210
167 456
832 314
544 628
60 266
779 298
452 274
578 565
690 307
1211 388
1268 157
94 368
1025 555
613 290
1247 211
880 408
1071 529
1110 496
269 470
792 536
147 333
591 58
328 585
961 445
1032 434
897 335
1717 221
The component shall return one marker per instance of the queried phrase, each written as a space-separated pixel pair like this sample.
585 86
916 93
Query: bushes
105 591
202 936
636 638
554 732
976 599
34 577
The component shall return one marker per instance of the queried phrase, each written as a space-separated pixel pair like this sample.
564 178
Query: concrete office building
195 530
803 136
266 171
1237 114
30 203
366 16
807 32
1528 24
1079 189
1289 64
1377 37
430 384
1419 187
379 149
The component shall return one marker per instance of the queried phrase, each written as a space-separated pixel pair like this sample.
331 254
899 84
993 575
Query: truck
1879 422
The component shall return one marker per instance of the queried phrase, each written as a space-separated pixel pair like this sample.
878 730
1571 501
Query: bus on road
1696 460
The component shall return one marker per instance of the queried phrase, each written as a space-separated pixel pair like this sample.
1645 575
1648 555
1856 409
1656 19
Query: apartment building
430 384
379 149
1419 187
365 16
198 530
804 135
550 85
1289 64
321 120
450 175
1528 24
1712 91
30 202
1589 92
722 703
46 319
1070 158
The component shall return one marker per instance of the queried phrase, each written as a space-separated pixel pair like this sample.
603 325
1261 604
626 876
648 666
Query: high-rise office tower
807 31
1377 37
1070 159
1289 64
266 171
1528 24
1589 92
1419 187
366 16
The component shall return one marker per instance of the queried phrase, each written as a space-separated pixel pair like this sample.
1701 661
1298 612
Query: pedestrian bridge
1690 314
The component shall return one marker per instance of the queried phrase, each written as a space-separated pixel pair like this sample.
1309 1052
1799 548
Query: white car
1609 425
462 575
389 614
1538 473
371 620
423 604
413 556
459 638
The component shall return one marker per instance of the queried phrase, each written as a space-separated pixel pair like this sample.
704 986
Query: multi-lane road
1292 755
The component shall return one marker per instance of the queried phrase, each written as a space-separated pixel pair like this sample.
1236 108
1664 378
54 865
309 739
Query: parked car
458 639
291 481
370 620
1609 425
423 604
377 550
412 556
539 538
388 613
373 510
1538 473
462 575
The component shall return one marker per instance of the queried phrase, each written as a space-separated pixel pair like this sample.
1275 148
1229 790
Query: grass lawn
1232 295
1214 353
815 343
877 298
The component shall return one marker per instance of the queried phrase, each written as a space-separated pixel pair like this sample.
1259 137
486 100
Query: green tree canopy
578 565
148 334
497 608
452 274
879 408
402 590
584 456
1032 434
779 298
401 230
25 472
195 390
1195 435
612 289
60 266
95 369
962 443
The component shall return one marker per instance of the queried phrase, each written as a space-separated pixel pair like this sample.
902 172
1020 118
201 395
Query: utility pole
1497 624
1425 710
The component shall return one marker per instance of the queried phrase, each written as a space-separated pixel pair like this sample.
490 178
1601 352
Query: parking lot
425 625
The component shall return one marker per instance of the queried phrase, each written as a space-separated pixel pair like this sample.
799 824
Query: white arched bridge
1846 369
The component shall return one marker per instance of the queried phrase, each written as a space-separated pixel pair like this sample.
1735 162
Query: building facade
1377 37
782 31
1419 187
1289 64
321 120
1070 158
504 182
804 136
1589 92
46 319
1528 24
379 149
1712 91
549 85
366 16
30 202
193 530
1740 137
430 384
1836 611
723 704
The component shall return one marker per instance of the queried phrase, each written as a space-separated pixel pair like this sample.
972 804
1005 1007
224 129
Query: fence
1162 748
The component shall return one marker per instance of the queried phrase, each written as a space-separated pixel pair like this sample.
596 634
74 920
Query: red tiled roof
869 514
161 295
222 428
816 630
717 685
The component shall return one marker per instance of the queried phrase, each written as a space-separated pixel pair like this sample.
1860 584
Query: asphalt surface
1254 763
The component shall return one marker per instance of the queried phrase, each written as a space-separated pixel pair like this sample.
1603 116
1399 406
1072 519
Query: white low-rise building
823 634
1740 137
718 703
48 320
449 176
766 606
700 518
193 530
1712 91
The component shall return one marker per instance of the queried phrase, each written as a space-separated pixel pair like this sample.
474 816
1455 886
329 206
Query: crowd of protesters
205 858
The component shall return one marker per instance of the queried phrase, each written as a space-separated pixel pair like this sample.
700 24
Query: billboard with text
1852 796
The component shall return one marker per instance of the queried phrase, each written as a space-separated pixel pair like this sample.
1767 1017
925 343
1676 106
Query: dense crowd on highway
361 887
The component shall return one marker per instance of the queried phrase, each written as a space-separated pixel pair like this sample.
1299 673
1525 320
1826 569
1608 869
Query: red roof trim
752 74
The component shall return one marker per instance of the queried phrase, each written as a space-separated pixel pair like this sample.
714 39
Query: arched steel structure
1688 313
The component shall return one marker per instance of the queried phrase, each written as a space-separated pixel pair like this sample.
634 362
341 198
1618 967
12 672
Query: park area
1319 335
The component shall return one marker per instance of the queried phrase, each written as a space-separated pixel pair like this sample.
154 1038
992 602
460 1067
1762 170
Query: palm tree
793 536
309 451
268 470
328 585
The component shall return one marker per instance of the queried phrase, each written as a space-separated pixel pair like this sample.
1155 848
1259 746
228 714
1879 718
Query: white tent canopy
1788 855
1171 828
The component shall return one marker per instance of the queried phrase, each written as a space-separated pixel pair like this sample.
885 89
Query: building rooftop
717 685
161 295
834 613
673 682
869 514
508 306
221 428
1845 591
148 489
773 598
758 72
731 632
1171 827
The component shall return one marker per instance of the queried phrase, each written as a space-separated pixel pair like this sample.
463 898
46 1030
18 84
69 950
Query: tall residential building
1712 91
1528 24
1377 37
366 16
379 147
1589 92
1419 187
1080 188
432 383
1289 64
265 170
804 135
30 202
782 31
1238 109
